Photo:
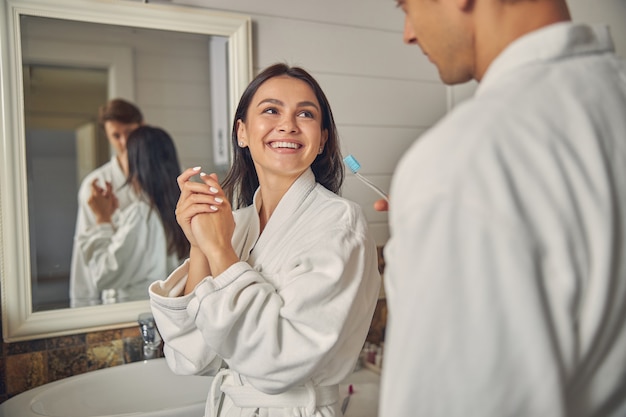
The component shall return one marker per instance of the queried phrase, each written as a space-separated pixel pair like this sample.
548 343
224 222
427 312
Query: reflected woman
117 118
144 243
277 297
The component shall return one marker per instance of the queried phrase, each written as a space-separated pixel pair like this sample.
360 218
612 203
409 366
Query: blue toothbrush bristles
354 166
352 163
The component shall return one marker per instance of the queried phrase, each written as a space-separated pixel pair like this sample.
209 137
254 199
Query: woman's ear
241 133
324 137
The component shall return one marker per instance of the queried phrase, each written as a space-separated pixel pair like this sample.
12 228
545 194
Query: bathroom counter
364 399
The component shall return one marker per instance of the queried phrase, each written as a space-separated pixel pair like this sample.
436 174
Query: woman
117 119
280 293
144 243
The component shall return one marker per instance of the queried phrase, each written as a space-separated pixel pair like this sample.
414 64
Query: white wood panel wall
384 94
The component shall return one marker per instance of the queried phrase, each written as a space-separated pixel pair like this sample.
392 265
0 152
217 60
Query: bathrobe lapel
282 218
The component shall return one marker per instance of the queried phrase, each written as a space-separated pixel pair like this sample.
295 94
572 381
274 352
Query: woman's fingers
214 187
186 176
209 185
95 188
196 198
191 198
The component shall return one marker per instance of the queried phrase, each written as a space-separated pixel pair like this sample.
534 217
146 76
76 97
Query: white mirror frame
19 322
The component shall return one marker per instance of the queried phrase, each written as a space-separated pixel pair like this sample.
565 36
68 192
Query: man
506 267
118 118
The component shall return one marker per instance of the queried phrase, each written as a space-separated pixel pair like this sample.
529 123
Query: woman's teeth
290 145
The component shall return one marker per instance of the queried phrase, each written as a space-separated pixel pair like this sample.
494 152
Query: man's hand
381 205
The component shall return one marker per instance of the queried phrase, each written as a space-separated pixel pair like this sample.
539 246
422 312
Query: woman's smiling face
283 128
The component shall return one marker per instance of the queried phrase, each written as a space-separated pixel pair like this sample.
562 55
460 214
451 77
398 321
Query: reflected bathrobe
127 255
83 291
289 319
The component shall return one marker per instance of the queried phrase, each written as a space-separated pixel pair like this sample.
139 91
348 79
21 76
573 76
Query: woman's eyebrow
308 104
280 103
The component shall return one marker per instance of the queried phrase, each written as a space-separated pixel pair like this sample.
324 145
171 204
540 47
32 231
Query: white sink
150 389
141 389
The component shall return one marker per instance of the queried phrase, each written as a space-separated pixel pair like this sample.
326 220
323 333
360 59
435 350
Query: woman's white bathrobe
128 254
291 317
83 291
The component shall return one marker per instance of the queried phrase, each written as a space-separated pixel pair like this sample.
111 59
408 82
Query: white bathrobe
291 317
128 255
83 291
506 269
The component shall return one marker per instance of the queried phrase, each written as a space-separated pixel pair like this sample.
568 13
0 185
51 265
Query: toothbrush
354 166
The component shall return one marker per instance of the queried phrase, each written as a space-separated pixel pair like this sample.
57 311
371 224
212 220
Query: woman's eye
270 110
306 113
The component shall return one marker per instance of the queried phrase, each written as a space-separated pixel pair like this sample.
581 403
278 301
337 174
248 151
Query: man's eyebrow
280 103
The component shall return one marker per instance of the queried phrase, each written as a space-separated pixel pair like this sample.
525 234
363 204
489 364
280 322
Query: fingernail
214 208
213 189
203 174
218 200
196 168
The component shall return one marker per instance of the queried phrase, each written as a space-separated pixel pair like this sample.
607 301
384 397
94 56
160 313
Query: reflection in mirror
183 67
171 73
62 146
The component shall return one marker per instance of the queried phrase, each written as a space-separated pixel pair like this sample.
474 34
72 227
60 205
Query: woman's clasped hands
204 213
102 201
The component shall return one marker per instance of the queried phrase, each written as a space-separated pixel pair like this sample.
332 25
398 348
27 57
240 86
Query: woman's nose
287 124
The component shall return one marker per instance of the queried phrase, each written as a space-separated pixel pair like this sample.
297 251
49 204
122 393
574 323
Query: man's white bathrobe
289 319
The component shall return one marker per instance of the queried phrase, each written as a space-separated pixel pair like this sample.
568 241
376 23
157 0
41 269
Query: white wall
383 93
610 12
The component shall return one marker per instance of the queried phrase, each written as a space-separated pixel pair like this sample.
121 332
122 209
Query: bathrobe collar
556 41
288 205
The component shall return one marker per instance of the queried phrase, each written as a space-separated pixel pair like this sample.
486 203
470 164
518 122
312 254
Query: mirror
185 69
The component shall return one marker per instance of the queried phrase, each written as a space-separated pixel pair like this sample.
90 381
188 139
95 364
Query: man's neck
498 24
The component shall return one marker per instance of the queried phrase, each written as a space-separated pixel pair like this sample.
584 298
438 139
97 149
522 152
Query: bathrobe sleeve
114 254
305 320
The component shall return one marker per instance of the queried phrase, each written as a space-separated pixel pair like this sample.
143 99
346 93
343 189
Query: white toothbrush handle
372 186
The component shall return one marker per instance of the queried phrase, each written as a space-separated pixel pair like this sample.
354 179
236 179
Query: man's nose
408 36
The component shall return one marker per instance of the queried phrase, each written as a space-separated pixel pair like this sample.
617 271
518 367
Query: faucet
150 335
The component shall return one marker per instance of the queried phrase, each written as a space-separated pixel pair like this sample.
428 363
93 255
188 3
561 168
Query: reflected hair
242 181
153 165
120 110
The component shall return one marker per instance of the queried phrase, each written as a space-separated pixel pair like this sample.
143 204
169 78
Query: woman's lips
284 145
